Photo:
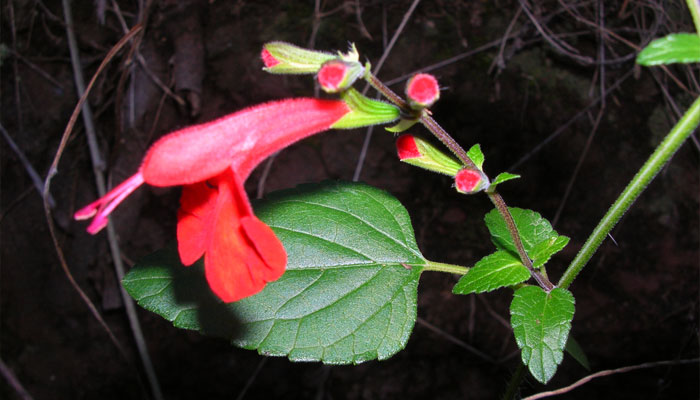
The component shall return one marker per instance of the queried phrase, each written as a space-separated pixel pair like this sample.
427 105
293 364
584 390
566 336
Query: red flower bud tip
469 181
332 75
422 90
268 59
406 147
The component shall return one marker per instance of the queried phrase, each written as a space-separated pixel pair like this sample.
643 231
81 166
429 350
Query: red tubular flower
212 160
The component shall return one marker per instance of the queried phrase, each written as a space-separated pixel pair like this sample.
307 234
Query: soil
636 301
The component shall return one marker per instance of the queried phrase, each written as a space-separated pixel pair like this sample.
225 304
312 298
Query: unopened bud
469 181
286 58
420 153
422 91
338 75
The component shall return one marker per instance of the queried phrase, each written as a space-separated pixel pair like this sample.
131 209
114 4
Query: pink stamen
101 208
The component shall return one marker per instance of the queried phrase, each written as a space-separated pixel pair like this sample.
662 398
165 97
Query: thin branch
14 383
460 343
53 170
98 168
377 67
609 372
33 175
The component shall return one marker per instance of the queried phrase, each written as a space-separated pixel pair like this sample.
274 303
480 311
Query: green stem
685 126
502 208
514 383
694 8
458 151
442 267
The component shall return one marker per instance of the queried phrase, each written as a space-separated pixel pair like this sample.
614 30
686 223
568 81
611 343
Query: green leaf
544 250
476 155
492 272
574 349
502 177
348 295
674 48
532 227
541 323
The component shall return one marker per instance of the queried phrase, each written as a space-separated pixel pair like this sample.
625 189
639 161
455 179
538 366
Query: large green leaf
348 295
496 270
674 48
541 323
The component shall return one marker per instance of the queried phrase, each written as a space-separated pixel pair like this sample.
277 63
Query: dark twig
53 170
33 175
609 372
13 382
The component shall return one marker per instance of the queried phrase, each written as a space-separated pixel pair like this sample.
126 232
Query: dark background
637 300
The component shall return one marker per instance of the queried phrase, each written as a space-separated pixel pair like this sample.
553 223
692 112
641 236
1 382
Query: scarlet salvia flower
422 91
212 161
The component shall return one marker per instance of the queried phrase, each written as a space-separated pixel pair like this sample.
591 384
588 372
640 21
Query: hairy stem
502 208
461 154
685 126
442 267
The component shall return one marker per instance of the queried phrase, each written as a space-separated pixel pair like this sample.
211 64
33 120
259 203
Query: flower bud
420 153
468 181
422 91
285 58
338 75
365 111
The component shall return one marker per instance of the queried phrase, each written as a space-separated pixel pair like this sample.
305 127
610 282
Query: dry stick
498 61
674 105
36 69
36 180
456 341
380 63
267 168
563 47
98 168
596 124
12 380
53 170
577 169
568 123
609 372
250 380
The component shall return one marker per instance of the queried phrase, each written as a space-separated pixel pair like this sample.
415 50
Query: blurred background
548 88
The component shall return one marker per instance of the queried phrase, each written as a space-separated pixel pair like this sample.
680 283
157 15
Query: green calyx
433 159
364 111
286 58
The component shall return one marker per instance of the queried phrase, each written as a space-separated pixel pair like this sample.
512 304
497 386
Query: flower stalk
427 120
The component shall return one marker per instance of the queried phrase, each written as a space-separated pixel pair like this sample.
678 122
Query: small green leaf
574 349
541 323
476 155
346 296
532 227
502 177
492 272
674 48
544 250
